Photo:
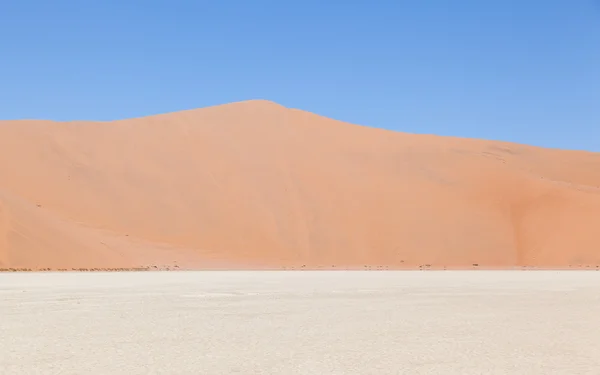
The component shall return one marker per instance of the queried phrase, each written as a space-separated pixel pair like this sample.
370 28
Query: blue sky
524 71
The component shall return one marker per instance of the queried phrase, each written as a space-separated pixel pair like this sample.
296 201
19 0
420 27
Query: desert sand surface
255 185
321 322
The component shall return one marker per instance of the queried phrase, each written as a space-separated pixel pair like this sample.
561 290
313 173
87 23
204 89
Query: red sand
256 185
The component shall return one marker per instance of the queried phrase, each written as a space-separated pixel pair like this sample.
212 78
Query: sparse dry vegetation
83 269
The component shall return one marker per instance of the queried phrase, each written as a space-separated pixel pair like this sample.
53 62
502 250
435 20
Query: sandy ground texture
321 323
257 185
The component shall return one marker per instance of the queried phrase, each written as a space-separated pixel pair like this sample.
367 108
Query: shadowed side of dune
254 184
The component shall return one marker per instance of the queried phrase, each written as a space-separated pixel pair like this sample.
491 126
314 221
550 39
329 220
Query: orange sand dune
254 185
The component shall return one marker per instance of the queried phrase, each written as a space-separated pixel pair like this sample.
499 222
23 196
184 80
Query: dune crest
256 185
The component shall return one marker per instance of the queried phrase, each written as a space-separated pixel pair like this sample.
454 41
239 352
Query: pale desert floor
432 322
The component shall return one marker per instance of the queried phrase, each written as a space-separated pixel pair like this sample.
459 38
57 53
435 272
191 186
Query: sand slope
254 184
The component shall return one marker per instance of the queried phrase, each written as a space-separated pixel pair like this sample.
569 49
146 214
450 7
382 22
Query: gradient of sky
517 70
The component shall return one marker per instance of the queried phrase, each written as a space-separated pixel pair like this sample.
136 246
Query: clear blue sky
517 70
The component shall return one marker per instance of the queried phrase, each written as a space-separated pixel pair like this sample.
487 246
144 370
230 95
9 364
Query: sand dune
254 184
